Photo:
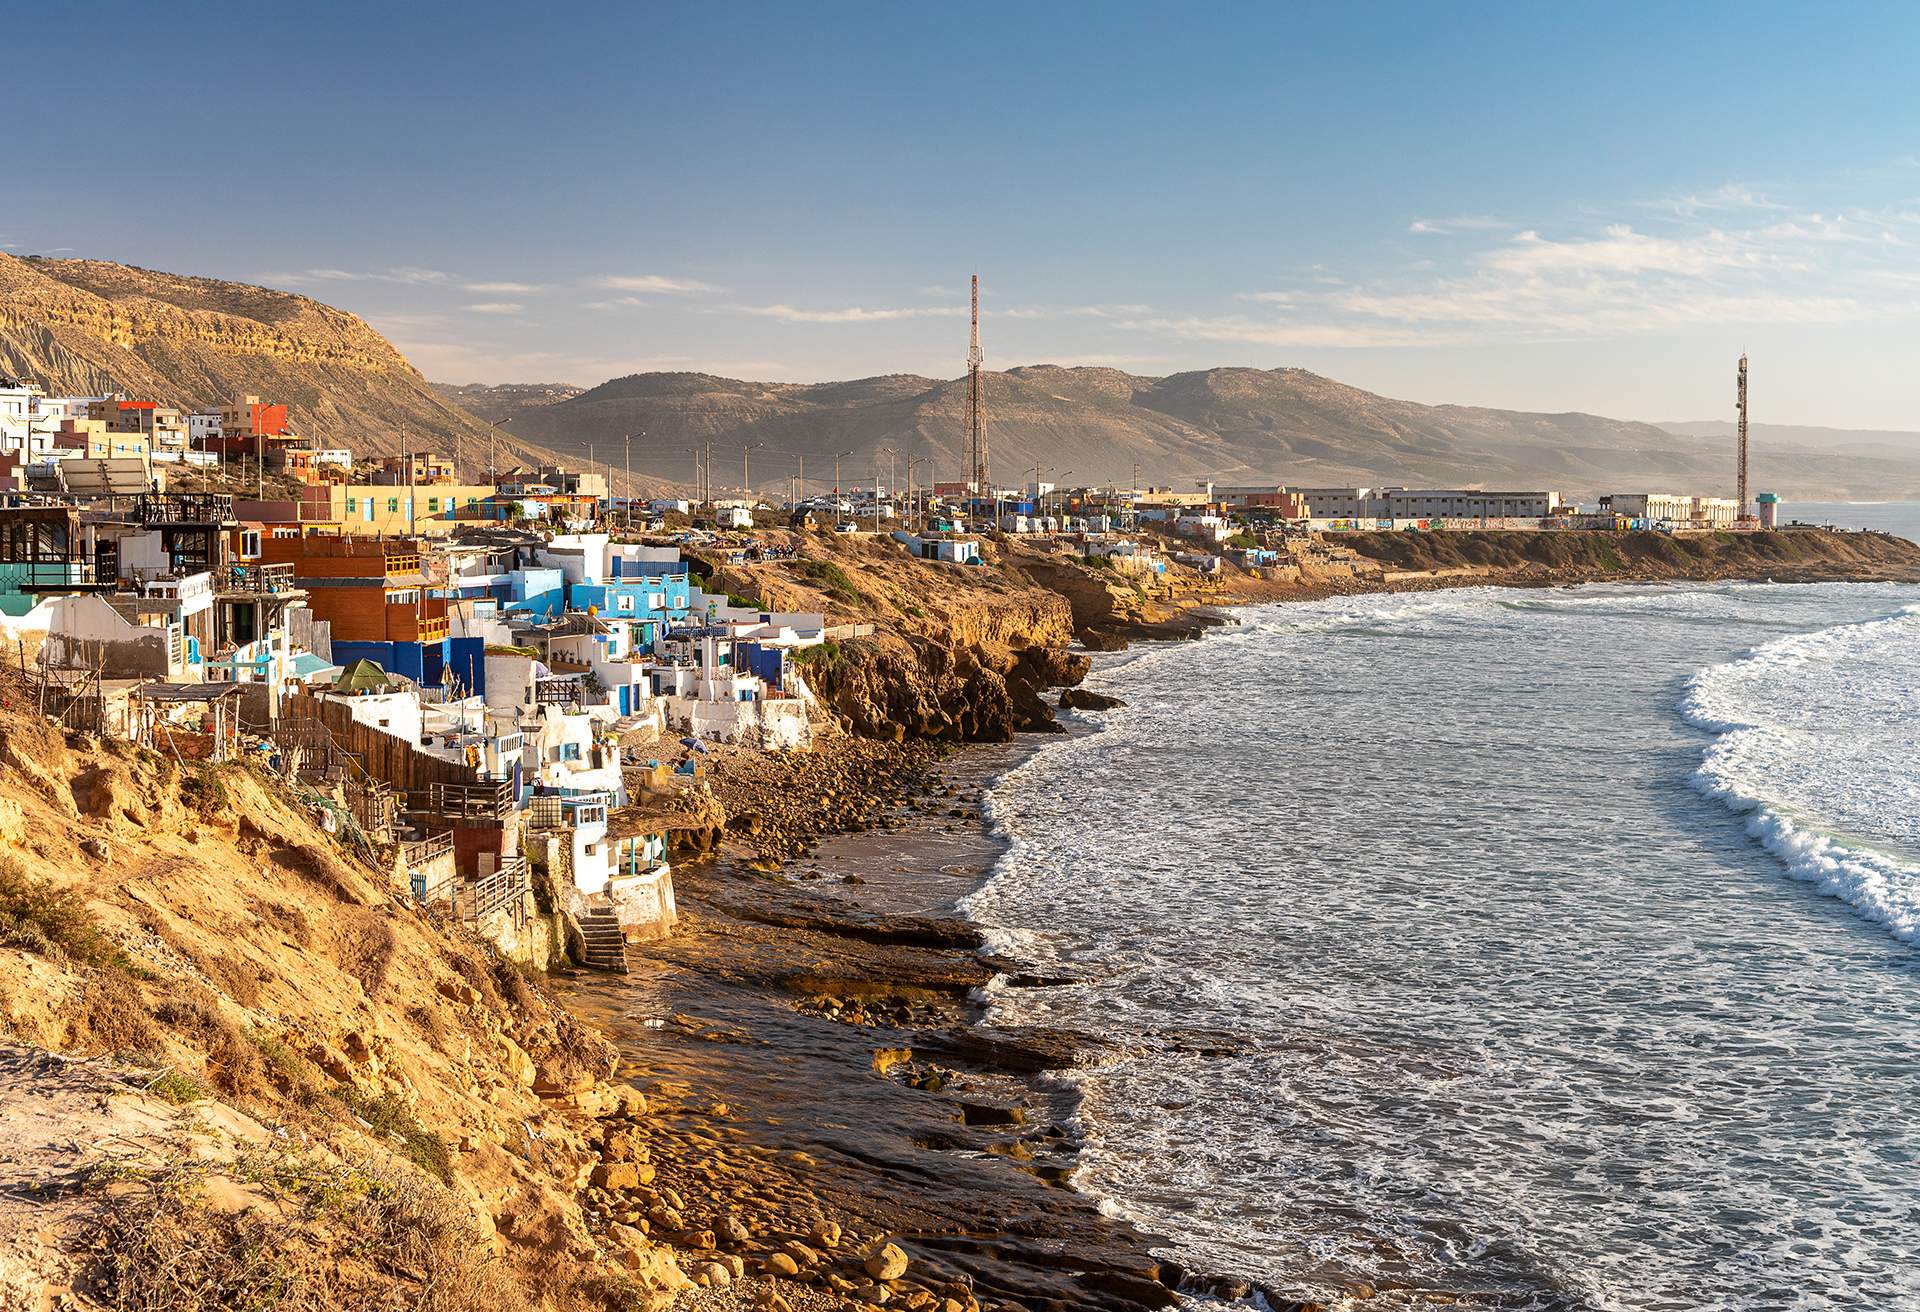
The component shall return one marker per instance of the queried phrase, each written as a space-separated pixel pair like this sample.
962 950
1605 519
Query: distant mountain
84 327
1232 425
496 403
1874 443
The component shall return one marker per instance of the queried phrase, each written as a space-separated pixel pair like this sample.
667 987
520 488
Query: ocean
1558 949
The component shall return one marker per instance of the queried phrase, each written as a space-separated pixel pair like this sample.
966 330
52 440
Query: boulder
1080 699
616 1175
887 1262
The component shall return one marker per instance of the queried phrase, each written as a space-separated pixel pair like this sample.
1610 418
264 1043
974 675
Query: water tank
1769 504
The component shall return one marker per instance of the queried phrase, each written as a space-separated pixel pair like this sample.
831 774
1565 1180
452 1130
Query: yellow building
375 510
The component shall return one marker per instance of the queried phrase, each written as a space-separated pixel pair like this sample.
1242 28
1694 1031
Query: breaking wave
1817 735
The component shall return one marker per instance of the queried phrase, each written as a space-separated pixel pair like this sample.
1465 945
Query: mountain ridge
1093 423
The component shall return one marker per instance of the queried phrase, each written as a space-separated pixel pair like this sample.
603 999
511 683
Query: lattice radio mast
976 427
1741 401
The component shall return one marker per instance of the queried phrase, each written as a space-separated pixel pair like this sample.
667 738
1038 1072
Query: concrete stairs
606 946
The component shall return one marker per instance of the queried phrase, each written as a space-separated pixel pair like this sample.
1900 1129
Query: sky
1545 207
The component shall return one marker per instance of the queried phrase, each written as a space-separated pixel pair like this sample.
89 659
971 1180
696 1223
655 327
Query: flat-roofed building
1674 508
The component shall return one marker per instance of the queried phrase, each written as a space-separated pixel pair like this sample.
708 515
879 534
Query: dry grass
353 1236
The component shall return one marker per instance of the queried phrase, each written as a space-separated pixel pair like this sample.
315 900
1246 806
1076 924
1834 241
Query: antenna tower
1741 401
976 429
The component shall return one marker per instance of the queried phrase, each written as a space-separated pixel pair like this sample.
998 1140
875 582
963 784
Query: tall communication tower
1741 402
976 428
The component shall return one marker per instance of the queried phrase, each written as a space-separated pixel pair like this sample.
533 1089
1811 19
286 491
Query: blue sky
1536 206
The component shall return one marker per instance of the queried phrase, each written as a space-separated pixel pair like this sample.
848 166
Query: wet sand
819 1024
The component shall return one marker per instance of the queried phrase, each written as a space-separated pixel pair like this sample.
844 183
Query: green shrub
51 921
203 790
177 1087
833 580
387 1116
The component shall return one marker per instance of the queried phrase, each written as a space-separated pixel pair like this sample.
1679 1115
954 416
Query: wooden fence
394 761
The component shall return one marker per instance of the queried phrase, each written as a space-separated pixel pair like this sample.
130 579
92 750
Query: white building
1425 503
1674 509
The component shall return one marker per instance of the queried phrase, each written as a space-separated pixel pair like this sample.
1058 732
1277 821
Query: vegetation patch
388 1117
825 656
203 790
350 1236
177 1087
833 580
54 922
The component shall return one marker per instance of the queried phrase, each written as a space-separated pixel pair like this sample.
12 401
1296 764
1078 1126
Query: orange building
369 590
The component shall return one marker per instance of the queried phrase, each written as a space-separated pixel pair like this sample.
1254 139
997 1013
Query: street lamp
837 457
746 485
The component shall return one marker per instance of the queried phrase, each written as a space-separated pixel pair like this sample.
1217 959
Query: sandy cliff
325 1050
85 327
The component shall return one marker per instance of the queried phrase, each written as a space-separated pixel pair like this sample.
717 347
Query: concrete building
1420 503
1673 510
1284 502
157 424
385 510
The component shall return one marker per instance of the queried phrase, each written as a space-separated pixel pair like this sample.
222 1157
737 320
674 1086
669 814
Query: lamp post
919 521
837 457
746 485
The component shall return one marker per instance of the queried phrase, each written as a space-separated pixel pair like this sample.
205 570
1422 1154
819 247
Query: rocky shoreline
817 1032
834 1122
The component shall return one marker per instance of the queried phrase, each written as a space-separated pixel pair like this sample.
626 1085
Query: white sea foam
1416 974
1817 736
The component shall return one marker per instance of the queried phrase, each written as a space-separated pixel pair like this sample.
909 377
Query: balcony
272 580
433 628
561 811
474 801
163 508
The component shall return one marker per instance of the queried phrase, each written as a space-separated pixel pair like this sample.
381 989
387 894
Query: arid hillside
240 1071
84 327
1092 425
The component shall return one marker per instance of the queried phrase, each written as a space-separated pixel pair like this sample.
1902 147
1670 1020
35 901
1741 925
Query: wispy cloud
1073 311
509 288
851 313
1725 257
494 307
1728 197
407 276
655 283
1457 224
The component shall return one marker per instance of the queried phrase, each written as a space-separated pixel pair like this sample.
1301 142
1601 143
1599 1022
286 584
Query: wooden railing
463 801
480 898
426 849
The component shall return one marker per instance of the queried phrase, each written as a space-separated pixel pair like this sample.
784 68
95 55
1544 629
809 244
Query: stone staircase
606 946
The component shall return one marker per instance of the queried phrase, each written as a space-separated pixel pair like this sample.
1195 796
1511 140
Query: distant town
521 671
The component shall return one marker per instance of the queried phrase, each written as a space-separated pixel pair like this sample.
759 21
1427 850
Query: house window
393 505
433 504
353 504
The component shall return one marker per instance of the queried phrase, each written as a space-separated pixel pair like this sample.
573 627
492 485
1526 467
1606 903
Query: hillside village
513 680
512 700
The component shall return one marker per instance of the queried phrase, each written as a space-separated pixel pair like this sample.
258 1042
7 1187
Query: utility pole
1741 401
629 481
919 520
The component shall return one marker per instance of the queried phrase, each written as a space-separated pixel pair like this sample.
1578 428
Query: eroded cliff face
83 327
957 652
